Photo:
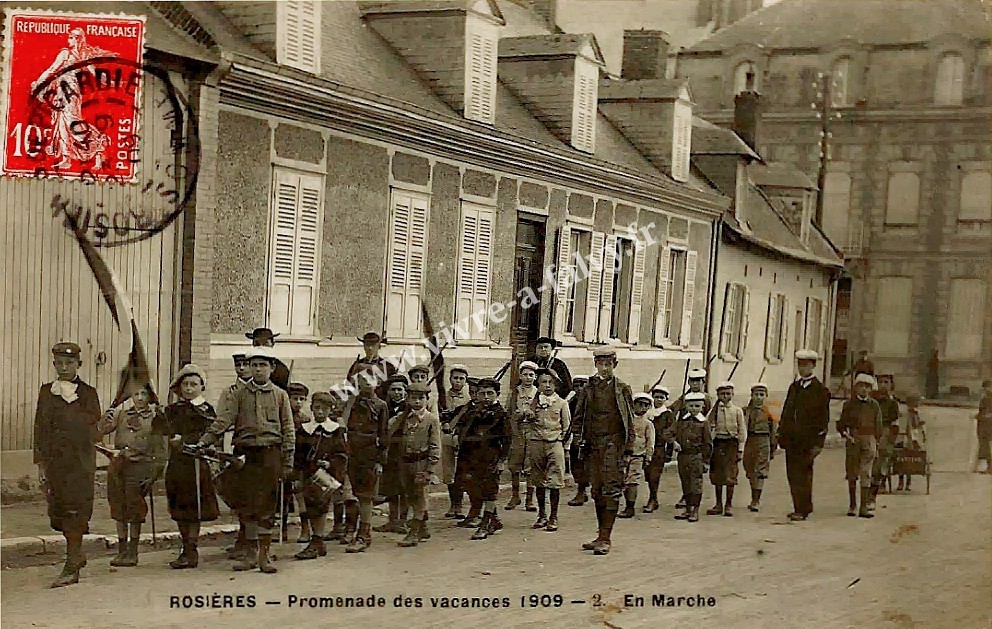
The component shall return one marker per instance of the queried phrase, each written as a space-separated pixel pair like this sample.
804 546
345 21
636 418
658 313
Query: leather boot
183 560
313 550
249 561
422 533
652 505
864 512
412 537
471 520
693 514
495 524
530 500
681 503
599 533
604 544
755 498
514 500
483 531
363 540
237 552
716 510
121 555
337 532
264 564
581 497
192 554
74 561
68 576
131 556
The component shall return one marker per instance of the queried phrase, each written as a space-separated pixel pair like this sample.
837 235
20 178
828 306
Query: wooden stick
685 376
657 382
731 376
762 374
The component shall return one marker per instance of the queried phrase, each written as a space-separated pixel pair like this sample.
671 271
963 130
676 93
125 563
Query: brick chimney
747 114
645 54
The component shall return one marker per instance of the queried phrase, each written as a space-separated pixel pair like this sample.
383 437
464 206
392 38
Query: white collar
863 399
198 400
328 426
699 417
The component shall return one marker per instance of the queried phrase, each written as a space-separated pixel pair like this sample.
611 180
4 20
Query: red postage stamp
72 95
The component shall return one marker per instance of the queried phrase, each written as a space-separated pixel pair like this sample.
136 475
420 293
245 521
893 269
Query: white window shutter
636 293
584 106
772 329
745 320
690 293
483 269
295 252
594 286
609 273
480 73
727 324
564 270
807 332
823 346
661 303
783 341
399 262
298 35
286 202
415 277
307 255
466 262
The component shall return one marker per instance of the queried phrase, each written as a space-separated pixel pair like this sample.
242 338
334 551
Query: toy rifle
685 376
437 360
656 382
762 374
731 376
224 459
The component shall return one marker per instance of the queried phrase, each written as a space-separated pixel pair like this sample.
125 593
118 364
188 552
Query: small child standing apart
760 446
140 461
729 428
694 444
546 450
641 453
420 454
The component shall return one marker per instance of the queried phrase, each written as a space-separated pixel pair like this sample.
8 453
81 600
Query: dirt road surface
924 561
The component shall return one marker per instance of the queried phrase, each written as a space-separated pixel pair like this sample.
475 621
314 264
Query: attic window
681 141
584 105
298 35
950 80
481 44
740 77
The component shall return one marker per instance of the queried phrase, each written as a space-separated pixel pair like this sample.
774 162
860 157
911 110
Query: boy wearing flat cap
522 418
576 465
643 450
697 384
694 443
861 425
420 454
65 429
459 395
371 362
663 420
882 472
606 414
802 431
366 418
389 483
242 377
760 445
298 395
264 337
264 432
729 429
545 449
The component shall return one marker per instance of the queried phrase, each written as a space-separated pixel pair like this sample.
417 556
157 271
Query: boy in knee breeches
551 423
484 442
882 470
420 454
760 445
664 429
576 464
694 444
366 419
729 429
643 450
458 396
860 424
521 417
298 394
321 461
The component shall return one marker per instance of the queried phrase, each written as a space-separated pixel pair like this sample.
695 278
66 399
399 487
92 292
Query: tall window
902 205
950 80
474 269
740 77
776 330
816 320
837 207
965 319
735 318
976 198
298 34
840 82
481 43
675 295
294 257
405 271
584 105
571 295
893 316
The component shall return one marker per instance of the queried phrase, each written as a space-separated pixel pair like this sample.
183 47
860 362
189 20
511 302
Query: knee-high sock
135 531
540 499
555 498
365 511
251 531
730 495
121 531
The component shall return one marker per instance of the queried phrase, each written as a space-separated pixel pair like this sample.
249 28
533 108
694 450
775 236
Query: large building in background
907 187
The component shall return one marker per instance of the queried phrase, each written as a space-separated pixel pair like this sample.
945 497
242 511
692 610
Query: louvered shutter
407 249
783 341
772 331
295 252
307 255
689 297
729 313
636 293
564 279
585 106
298 37
466 263
594 286
475 266
745 320
285 208
483 269
823 347
480 74
661 303
606 300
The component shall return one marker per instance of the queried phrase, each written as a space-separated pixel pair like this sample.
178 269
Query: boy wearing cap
729 429
643 450
663 420
139 462
298 394
420 453
320 447
913 435
264 337
606 414
459 395
389 483
983 428
264 433
861 425
881 472
697 384
576 465
545 449
694 443
421 374
381 368
242 377
543 351
189 485
760 445
366 417
65 429
522 416
802 431
484 443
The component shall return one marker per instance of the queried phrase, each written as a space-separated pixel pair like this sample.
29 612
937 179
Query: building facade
906 186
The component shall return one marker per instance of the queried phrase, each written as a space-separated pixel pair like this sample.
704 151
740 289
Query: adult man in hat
606 413
697 384
381 368
542 358
65 429
802 431
263 337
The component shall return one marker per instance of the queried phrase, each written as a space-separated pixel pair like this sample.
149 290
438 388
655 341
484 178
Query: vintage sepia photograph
496 313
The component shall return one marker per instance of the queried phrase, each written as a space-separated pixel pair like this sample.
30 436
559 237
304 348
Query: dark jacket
484 434
805 416
557 365
366 420
383 366
860 418
624 400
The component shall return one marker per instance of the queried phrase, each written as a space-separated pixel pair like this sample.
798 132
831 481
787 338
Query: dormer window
584 105
298 35
681 138
481 45
949 89
807 216
741 73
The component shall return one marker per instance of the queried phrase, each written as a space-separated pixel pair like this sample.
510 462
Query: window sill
729 358
774 361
